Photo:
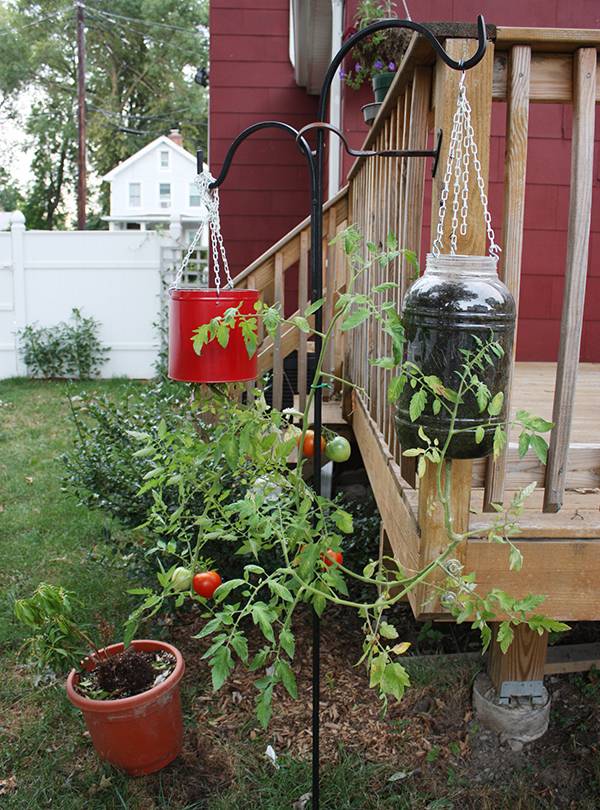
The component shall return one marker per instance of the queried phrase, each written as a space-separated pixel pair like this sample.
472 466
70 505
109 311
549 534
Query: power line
51 16
112 14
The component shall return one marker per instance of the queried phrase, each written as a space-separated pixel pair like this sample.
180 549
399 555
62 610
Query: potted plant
377 57
129 695
259 507
232 356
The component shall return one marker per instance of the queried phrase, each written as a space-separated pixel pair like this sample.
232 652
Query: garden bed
426 753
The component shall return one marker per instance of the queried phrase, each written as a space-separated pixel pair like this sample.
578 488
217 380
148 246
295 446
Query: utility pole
82 173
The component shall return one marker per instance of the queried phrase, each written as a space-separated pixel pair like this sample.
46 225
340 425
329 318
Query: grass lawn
440 758
46 759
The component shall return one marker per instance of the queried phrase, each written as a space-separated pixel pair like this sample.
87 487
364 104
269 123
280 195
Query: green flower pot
381 84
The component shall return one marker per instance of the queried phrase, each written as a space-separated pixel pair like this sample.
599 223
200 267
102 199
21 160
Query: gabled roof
162 140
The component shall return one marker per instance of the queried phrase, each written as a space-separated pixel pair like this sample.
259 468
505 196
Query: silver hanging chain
211 219
461 151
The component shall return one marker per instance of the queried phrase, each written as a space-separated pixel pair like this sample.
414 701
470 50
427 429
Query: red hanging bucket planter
188 309
215 361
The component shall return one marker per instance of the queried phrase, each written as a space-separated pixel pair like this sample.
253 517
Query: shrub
69 349
104 468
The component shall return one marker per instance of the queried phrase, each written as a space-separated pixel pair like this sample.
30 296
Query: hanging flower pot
138 734
229 358
215 363
459 322
459 305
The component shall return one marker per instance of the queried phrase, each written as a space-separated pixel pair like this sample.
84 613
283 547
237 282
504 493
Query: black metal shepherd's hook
315 162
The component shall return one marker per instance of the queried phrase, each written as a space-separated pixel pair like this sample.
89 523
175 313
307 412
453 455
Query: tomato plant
308 446
206 583
338 449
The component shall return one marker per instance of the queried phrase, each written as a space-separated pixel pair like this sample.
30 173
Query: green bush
70 349
104 468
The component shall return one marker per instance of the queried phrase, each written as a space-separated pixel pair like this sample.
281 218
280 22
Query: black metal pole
315 162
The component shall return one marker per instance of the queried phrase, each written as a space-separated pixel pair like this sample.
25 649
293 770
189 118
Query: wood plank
388 487
580 207
515 168
547 39
277 353
434 534
303 300
566 572
413 198
559 659
579 517
572 658
581 469
551 78
523 661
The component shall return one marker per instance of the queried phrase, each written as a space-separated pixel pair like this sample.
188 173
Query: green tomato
181 579
338 449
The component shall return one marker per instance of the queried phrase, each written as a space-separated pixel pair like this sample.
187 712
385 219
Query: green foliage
11 198
70 349
104 467
139 83
56 641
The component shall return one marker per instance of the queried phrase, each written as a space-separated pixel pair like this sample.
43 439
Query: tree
54 135
11 198
142 56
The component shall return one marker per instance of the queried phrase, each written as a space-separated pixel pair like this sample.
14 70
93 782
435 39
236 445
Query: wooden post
517 125
277 386
524 661
434 537
580 211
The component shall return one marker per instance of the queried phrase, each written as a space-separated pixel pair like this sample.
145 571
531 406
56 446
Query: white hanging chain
209 200
462 149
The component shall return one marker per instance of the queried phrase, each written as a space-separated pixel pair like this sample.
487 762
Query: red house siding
252 79
266 195
548 170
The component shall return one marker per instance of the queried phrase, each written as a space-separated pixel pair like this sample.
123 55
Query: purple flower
378 64
343 73
358 67
392 66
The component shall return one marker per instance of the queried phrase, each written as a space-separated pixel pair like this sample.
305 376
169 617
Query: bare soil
430 737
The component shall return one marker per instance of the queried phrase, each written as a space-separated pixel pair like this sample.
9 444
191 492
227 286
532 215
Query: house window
164 159
164 195
135 195
194 195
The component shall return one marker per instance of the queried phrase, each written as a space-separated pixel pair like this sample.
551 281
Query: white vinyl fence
114 276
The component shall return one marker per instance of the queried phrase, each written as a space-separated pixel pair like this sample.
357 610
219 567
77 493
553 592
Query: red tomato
332 557
308 447
206 583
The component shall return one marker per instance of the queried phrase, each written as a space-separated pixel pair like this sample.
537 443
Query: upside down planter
188 309
139 734
457 301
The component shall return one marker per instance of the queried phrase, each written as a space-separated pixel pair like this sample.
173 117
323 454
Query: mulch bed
430 736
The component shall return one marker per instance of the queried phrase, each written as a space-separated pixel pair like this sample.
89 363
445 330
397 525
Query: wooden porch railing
522 66
268 275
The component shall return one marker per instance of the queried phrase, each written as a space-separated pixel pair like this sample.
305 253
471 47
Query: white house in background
154 188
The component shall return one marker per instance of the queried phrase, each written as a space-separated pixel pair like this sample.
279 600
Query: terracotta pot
189 309
139 734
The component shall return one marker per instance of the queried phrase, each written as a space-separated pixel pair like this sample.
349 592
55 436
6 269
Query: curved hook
302 144
382 25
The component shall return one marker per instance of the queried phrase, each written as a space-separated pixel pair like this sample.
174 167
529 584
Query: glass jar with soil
458 304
